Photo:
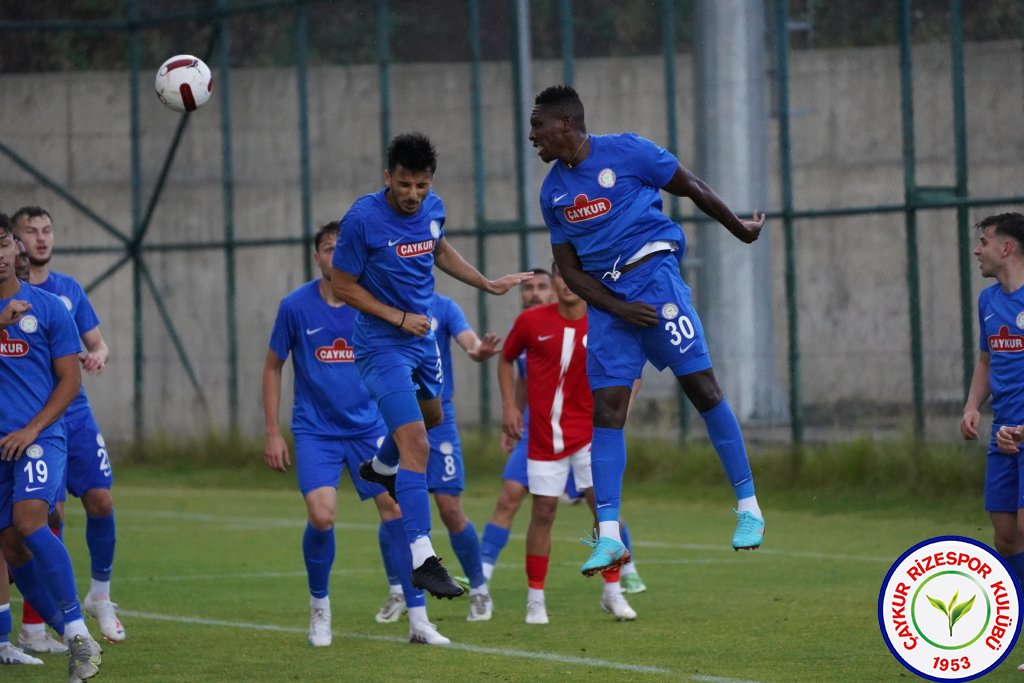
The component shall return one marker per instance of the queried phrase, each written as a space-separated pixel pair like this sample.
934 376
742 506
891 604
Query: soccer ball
184 83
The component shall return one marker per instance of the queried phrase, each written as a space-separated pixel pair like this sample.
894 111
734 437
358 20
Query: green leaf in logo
959 611
938 604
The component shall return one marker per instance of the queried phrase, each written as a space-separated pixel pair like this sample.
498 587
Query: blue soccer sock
624 535
388 452
467 548
494 541
101 536
5 622
1016 563
413 499
401 558
318 552
384 541
27 579
727 439
607 464
55 570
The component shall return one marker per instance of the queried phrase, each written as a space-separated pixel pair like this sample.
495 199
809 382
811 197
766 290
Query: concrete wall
854 328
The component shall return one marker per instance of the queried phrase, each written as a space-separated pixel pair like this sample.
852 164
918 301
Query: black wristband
403 320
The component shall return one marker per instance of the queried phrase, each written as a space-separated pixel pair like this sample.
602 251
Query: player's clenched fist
13 311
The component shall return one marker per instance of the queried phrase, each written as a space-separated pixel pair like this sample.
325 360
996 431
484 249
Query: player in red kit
554 338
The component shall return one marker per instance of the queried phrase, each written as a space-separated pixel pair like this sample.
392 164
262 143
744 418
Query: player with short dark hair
383 267
39 377
89 473
618 251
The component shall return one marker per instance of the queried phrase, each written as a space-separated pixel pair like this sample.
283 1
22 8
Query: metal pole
383 68
956 39
134 61
228 189
565 22
910 197
522 89
796 411
479 194
302 81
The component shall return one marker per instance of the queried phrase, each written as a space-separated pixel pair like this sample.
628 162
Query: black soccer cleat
432 577
367 473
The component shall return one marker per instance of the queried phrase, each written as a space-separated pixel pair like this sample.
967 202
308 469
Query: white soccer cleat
40 643
615 604
425 633
319 626
9 654
481 607
392 609
105 613
536 612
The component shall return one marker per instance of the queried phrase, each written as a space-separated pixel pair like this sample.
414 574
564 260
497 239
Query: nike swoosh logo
392 243
545 337
449 478
604 505
309 331
561 196
688 346
989 316
30 489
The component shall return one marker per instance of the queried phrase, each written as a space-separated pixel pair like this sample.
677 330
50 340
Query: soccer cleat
367 473
84 659
615 604
536 612
105 612
40 643
425 633
9 654
481 607
607 554
749 531
319 626
392 609
462 581
632 583
432 577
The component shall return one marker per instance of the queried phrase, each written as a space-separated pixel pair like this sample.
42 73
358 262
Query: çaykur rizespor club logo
949 609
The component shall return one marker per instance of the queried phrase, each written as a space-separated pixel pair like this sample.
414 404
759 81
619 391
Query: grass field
211 586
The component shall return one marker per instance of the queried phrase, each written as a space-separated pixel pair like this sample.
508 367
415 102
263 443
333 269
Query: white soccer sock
749 505
609 530
320 603
418 615
422 550
488 569
535 595
33 628
381 468
396 588
480 590
100 589
612 588
628 568
75 628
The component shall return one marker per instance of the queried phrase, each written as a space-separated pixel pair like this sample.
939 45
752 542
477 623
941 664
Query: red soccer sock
611 575
536 570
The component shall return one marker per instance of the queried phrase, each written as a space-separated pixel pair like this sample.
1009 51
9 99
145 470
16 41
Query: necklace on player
576 153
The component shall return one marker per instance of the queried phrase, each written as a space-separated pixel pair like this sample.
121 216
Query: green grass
211 584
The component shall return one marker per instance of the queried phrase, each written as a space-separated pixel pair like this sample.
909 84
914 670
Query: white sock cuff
381 468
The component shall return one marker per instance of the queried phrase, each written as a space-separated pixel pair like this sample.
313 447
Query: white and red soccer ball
184 83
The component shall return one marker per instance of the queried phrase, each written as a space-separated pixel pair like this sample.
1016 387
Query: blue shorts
515 467
88 461
1004 479
410 369
445 470
37 475
617 350
320 461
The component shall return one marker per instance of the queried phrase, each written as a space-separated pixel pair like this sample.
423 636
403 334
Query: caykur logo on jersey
583 208
1005 342
415 248
12 348
339 352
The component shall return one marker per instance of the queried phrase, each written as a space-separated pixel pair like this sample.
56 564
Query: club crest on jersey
67 302
35 451
435 229
12 348
1020 320
415 248
606 178
339 352
1005 342
584 208
28 324
669 311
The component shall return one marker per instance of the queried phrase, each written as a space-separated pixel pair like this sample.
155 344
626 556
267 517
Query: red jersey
557 389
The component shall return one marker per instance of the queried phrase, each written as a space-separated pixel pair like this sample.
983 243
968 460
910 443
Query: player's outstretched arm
976 396
479 349
69 382
96 355
685 184
275 450
451 262
13 311
591 290
511 415
347 289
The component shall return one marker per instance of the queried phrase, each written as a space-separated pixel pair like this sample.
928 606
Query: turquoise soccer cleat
749 531
607 554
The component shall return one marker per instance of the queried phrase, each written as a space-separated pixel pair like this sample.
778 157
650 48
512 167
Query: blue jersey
392 255
1002 336
67 289
330 397
27 351
609 205
448 322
